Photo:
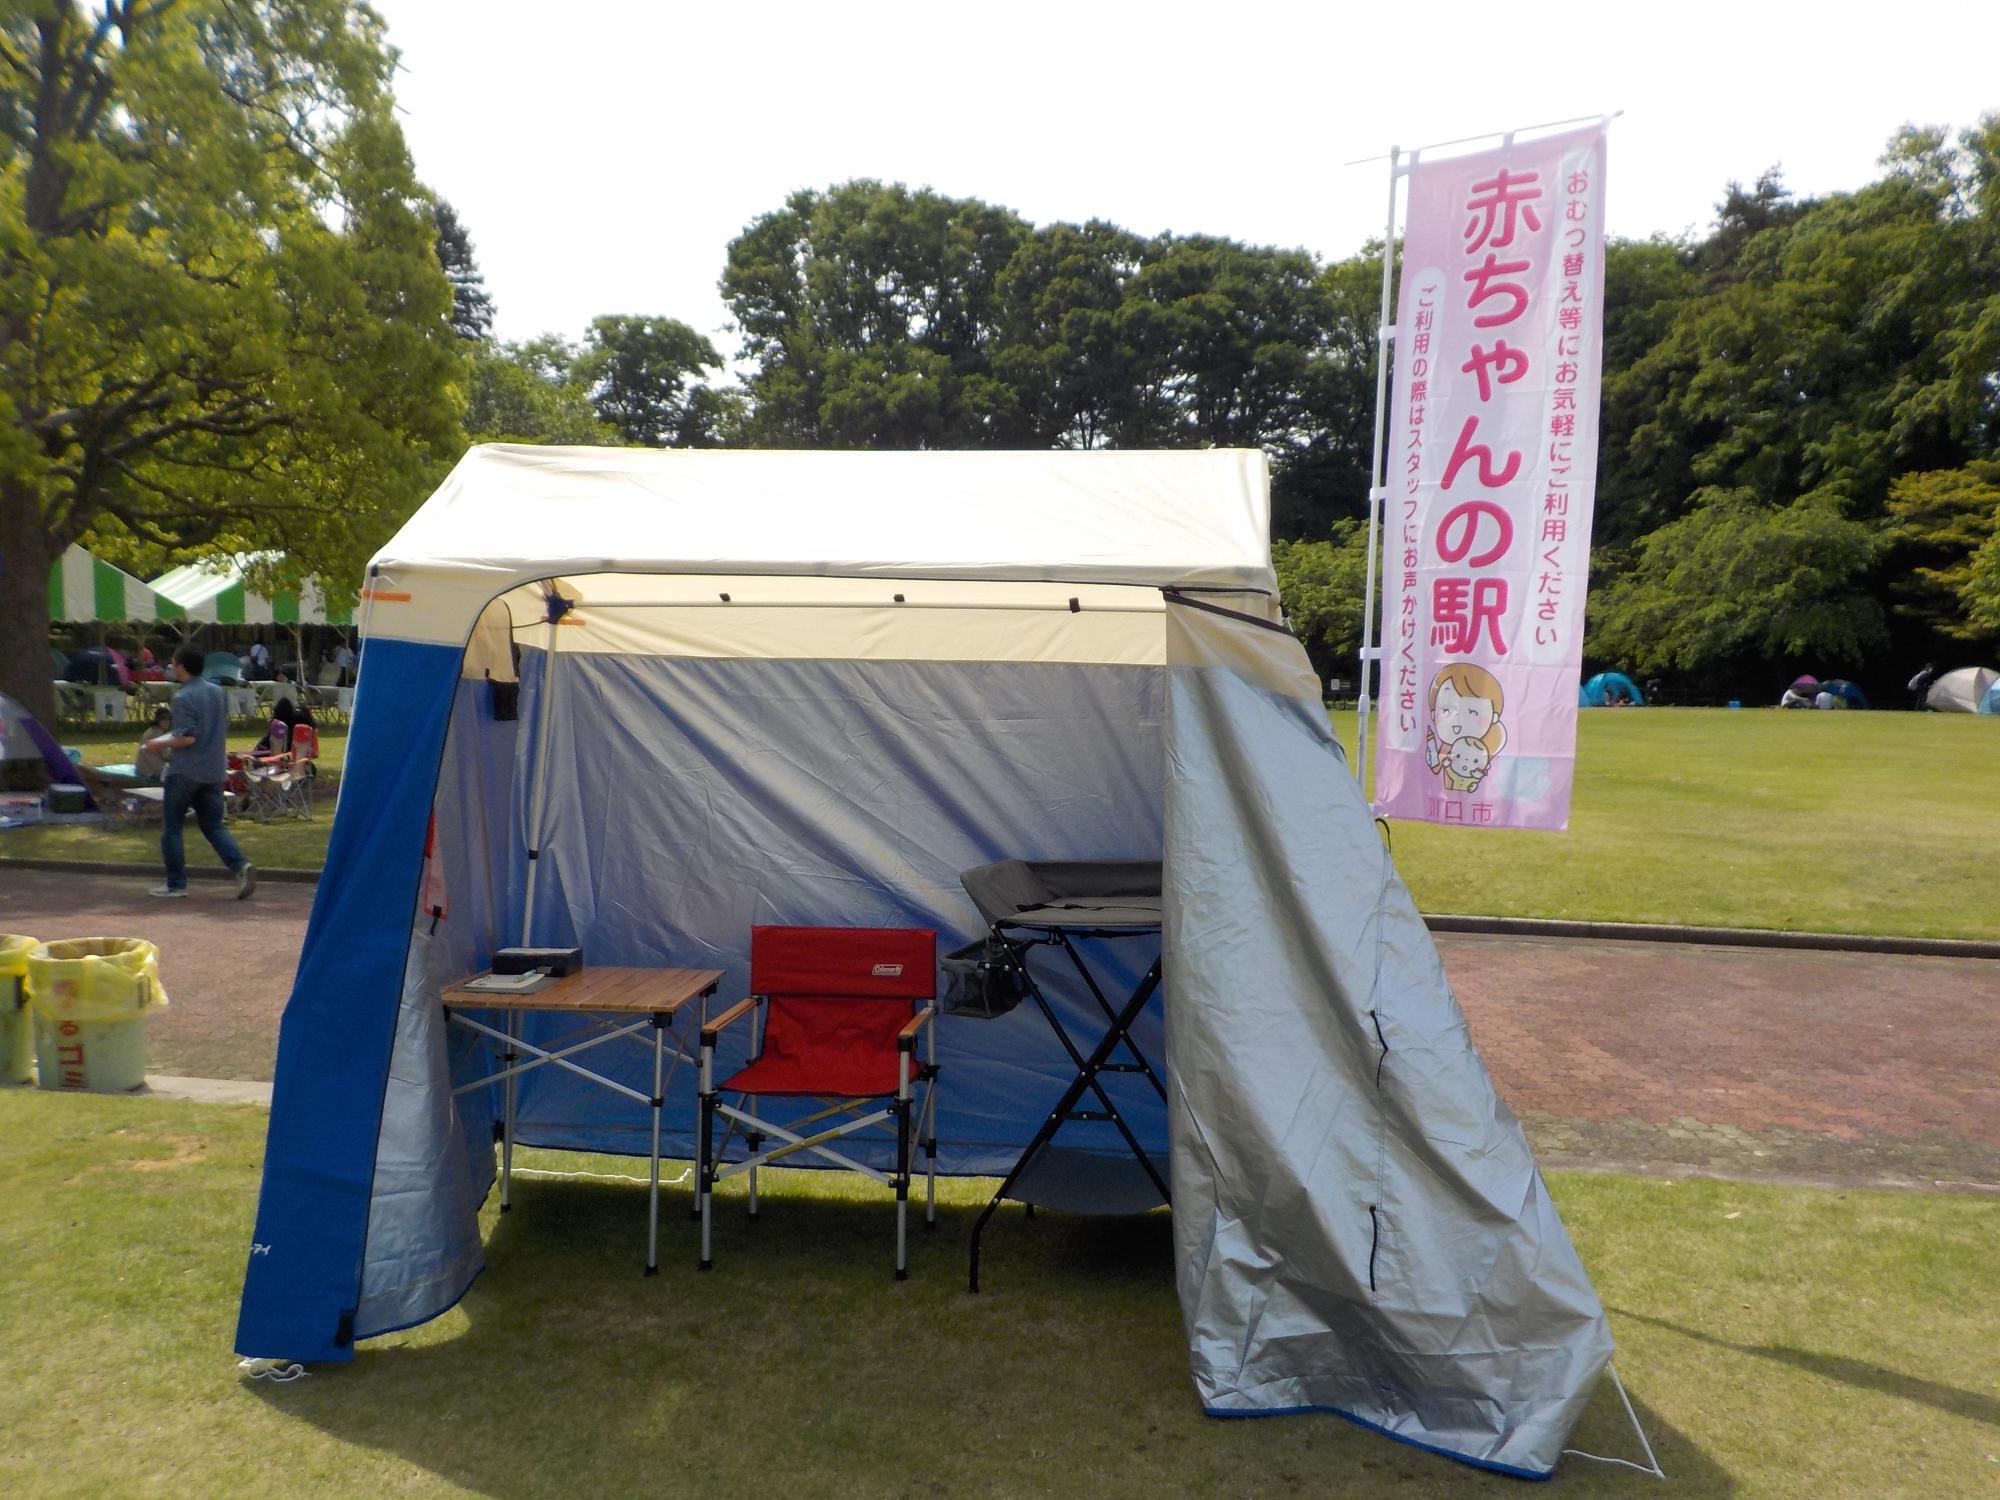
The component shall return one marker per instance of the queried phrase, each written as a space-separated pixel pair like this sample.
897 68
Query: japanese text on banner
1491 481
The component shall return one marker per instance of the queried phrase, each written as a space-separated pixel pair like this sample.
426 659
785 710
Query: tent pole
1378 490
538 800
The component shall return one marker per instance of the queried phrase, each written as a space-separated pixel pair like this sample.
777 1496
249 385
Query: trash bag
95 979
17 1058
14 953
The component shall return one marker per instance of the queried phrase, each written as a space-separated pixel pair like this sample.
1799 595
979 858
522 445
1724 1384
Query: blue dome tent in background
1990 704
1849 695
1607 688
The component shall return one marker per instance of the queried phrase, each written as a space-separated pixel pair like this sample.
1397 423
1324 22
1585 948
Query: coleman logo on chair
887 971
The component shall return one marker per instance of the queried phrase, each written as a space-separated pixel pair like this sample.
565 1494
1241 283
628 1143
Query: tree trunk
25 555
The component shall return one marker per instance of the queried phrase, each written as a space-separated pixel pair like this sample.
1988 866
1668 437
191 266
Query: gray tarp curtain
1359 1223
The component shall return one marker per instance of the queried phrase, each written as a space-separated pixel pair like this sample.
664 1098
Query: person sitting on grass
148 761
195 773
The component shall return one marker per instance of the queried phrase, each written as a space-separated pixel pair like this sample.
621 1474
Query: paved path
1833 1067
226 964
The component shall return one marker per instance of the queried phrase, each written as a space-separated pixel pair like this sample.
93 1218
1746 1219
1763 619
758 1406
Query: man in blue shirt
197 761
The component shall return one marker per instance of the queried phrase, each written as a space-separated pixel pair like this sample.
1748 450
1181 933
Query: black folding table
1061 905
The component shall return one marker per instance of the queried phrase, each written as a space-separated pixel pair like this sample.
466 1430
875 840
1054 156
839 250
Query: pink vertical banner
1491 478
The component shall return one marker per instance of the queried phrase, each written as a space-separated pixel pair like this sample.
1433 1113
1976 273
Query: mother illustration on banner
1489 483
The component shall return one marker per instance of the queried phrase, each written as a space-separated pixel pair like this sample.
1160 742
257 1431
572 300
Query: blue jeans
205 797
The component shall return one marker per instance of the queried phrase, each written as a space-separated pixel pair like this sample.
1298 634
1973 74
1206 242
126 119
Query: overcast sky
603 153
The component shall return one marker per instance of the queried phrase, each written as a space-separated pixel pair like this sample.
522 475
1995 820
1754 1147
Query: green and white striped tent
215 593
84 588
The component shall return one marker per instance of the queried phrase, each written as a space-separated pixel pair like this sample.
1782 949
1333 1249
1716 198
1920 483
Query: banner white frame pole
1377 483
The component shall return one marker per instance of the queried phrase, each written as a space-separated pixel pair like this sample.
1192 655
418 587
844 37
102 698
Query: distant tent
1960 692
1801 693
1837 692
214 592
84 589
1608 688
1989 703
25 743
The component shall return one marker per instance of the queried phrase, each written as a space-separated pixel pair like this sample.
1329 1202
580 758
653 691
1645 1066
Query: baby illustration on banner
1466 732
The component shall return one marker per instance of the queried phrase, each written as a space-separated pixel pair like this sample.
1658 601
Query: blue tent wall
304 1273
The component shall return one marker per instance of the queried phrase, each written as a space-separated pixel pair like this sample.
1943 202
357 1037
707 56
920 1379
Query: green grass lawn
285 844
1778 1342
1850 822
1856 822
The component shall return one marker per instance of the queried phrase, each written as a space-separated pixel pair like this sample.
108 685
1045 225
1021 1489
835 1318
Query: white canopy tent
814 688
216 591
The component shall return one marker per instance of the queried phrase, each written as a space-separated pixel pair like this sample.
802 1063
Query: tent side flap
301 1289
1359 1223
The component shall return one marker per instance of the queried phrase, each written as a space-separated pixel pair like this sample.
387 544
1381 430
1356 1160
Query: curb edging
115 867
1721 937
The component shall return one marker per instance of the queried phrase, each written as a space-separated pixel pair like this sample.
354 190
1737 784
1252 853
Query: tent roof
214 591
83 587
509 514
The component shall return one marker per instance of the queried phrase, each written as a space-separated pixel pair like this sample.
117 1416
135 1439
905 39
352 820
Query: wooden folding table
613 1002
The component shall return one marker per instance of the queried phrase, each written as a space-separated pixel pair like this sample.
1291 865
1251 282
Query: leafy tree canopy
222 322
525 393
640 375
1322 587
471 305
1736 578
1946 523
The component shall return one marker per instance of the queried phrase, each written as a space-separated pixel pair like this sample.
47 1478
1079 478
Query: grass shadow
1858 1373
799 1365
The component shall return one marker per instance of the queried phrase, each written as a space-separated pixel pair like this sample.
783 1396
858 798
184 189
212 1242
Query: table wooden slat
598 990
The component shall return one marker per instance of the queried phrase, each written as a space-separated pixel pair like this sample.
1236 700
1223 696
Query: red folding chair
833 1023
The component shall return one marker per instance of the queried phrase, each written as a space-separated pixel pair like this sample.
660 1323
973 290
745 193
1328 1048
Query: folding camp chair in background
279 783
833 1023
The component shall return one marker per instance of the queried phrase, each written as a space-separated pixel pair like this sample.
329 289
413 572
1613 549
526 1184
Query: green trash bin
90 997
17 1059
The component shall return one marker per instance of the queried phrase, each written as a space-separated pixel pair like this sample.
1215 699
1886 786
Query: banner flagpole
1378 490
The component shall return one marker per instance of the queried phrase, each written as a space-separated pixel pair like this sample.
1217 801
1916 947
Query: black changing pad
1067 893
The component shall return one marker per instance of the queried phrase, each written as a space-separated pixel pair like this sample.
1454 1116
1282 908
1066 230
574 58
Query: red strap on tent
433 902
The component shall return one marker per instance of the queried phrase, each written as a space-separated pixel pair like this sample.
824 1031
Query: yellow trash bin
17 1060
90 997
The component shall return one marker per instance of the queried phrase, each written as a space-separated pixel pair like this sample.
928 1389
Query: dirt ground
1853 1068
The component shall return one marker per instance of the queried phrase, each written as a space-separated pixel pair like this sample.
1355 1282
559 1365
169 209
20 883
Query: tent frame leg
1086 1079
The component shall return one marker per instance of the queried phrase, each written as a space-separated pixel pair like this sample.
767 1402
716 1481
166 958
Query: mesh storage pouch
980 980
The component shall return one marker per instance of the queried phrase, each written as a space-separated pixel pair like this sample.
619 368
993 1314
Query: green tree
1639 486
471 304
641 377
1736 584
222 321
527 393
1063 347
869 313
1321 584
1321 474
1982 586
1944 521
